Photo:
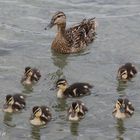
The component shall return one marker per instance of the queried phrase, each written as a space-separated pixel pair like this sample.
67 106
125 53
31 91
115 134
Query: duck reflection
35 133
120 128
8 120
27 89
74 128
122 85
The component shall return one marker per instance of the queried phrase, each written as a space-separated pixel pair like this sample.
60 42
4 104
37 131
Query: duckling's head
28 72
59 18
126 71
124 106
61 84
37 112
9 100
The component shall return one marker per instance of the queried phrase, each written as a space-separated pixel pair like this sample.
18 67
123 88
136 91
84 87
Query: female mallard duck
31 76
74 39
14 103
74 90
123 109
41 115
76 111
126 72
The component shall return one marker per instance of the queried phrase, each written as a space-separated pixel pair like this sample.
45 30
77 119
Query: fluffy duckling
126 72
31 76
41 115
74 39
123 109
14 103
76 111
74 90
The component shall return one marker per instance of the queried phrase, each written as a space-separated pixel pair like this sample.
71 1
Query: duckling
123 109
14 103
76 111
74 90
74 39
31 76
41 115
126 72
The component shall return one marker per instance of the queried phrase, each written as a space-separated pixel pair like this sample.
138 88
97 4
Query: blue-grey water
24 42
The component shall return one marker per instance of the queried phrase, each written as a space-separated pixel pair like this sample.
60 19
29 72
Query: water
24 42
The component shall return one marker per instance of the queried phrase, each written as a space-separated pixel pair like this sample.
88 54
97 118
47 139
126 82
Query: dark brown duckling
126 72
14 103
31 76
77 111
74 39
41 115
123 109
74 90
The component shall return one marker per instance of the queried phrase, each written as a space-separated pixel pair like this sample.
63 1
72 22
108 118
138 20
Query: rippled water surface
24 42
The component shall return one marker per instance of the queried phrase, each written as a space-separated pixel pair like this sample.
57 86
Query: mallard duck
74 90
76 111
74 39
31 76
126 72
14 103
40 115
123 109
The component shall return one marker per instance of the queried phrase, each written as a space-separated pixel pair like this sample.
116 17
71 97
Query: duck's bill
50 25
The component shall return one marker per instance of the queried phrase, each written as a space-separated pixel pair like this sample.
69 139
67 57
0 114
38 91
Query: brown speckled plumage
73 39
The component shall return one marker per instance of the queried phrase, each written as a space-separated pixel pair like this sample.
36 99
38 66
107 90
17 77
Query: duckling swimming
123 109
74 90
41 115
14 103
31 76
74 39
126 72
77 111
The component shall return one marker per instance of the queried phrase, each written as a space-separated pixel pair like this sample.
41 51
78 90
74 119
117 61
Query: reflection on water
120 128
59 60
27 89
8 119
122 85
35 133
74 128
61 105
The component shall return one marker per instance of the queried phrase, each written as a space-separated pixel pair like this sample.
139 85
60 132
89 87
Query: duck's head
59 19
9 100
126 72
28 72
61 84
124 106
37 112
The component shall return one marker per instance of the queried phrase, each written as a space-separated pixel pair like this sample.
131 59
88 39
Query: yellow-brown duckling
41 115
77 111
74 39
126 72
74 90
123 109
14 103
31 76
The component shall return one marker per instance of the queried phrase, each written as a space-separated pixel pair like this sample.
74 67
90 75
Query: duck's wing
81 34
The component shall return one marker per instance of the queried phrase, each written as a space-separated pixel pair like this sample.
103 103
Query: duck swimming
77 111
14 103
74 90
73 39
40 115
123 109
31 76
126 72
